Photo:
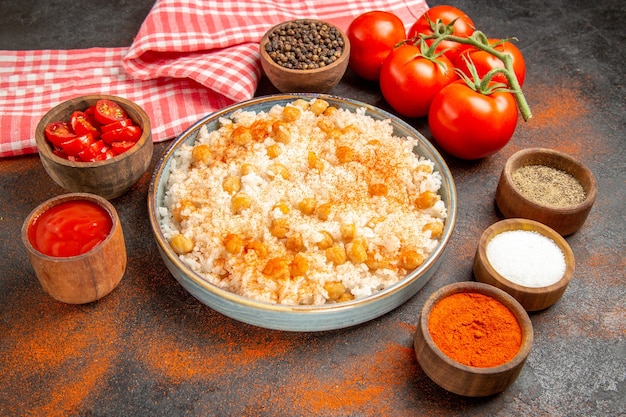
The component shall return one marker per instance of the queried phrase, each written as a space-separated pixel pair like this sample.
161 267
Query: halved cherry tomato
121 147
127 133
107 111
77 144
91 152
81 124
117 125
59 132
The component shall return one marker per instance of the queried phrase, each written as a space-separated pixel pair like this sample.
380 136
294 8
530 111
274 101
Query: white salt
526 258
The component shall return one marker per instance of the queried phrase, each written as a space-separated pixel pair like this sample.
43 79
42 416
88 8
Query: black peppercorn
304 44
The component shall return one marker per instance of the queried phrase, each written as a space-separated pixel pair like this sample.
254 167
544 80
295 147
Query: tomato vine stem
479 40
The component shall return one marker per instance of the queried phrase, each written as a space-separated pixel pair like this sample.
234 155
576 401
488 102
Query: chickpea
326 242
336 254
281 132
326 126
319 106
258 247
178 212
335 289
233 243
259 130
299 266
436 229
181 244
283 207
314 161
374 142
291 113
280 169
357 251
201 153
277 268
307 205
330 111
279 228
344 154
410 259
294 242
301 104
248 169
240 202
425 200
273 151
376 261
323 211
378 190
241 135
231 184
347 230
425 168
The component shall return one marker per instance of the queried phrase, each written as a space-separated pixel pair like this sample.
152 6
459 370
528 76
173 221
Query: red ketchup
70 228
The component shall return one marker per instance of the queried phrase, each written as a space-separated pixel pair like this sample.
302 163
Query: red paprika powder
475 330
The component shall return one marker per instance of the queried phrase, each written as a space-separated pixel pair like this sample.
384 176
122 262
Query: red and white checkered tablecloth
189 59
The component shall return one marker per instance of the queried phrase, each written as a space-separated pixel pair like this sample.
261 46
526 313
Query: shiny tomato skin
108 111
463 27
59 132
90 153
125 134
81 124
373 36
470 125
121 147
74 146
117 125
485 62
409 82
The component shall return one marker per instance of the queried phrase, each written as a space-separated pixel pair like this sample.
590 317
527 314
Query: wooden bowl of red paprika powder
118 165
473 339
547 186
76 247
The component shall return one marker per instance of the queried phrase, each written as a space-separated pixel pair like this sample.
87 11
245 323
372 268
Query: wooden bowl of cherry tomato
97 144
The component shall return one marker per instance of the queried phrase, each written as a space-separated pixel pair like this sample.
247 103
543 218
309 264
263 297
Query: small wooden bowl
110 178
83 278
319 80
462 379
531 298
513 204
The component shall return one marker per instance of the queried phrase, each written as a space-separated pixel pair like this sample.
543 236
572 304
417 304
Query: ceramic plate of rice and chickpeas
302 212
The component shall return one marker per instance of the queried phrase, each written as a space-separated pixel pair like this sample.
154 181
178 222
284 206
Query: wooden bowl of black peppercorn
304 56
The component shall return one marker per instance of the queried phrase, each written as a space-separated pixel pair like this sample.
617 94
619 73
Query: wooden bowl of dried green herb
304 56
547 186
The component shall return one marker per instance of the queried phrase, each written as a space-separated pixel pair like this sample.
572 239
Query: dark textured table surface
151 349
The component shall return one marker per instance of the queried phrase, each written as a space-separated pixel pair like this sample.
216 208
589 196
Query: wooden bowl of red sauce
82 161
76 247
472 339
547 186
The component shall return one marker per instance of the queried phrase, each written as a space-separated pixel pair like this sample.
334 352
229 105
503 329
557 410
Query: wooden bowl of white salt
527 259
547 186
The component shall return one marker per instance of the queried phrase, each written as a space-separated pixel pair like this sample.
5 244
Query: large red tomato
463 26
485 62
372 37
471 125
409 81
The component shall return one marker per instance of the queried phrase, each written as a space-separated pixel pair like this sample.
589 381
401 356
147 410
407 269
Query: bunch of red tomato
421 74
100 132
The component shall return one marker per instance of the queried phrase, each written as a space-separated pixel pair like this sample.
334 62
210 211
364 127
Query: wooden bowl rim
526 224
54 201
507 300
268 60
590 184
43 146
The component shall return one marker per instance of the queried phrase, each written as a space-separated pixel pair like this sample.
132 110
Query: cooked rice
290 184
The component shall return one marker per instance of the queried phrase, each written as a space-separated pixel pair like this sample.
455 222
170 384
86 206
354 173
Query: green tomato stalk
479 40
